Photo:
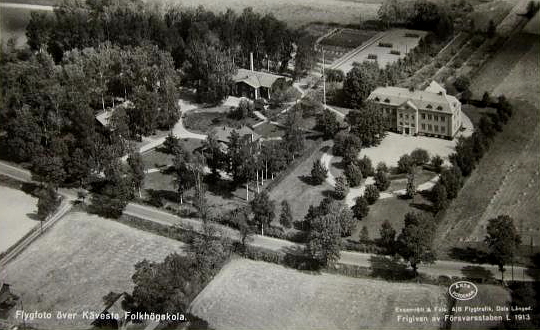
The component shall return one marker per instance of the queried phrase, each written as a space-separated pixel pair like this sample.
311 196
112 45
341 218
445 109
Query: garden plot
17 216
257 295
77 262
384 48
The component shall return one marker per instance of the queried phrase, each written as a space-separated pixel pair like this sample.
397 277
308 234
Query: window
436 118
400 123
423 126
400 115
442 118
429 117
442 129
436 128
377 99
412 125
423 116
439 108
429 127
412 117
406 116
387 100
429 106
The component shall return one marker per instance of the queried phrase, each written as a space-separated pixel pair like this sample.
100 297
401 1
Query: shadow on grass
308 179
156 196
328 193
339 165
477 273
166 170
470 254
33 216
390 269
219 187
297 258
423 207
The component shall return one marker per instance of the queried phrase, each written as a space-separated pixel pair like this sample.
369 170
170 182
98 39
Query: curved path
326 160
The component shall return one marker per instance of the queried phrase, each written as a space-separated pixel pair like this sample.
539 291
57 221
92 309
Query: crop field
77 262
17 216
295 13
506 180
256 295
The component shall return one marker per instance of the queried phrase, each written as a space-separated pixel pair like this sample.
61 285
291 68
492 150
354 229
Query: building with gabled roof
429 112
254 84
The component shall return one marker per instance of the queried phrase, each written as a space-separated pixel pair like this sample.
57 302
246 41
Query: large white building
429 112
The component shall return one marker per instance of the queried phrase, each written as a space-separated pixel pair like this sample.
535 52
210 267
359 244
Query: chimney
251 61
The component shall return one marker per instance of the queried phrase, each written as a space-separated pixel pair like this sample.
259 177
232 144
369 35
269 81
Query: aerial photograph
269 164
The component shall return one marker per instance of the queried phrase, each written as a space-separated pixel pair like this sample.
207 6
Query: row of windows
406 116
435 117
401 124
429 106
431 127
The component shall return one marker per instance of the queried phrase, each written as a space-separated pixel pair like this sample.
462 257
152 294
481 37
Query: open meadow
506 180
250 294
17 216
77 262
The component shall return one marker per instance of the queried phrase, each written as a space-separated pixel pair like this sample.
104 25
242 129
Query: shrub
381 167
436 163
341 188
395 52
372 57
360 208
334 75
353 175
385 44
439 197
405 164
381 180
365 166
419 156
371 194
462 83
319 172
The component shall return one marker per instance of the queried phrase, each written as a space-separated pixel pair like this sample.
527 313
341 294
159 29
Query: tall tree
368 123
48 201
502 240
415 242
387 237
285 218
136 165
359 83
264 210
360 208
319 172
324 239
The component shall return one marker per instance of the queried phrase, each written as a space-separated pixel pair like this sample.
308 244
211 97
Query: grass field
17 216
298 191
78 261
256 295
506 180
203 122
488 295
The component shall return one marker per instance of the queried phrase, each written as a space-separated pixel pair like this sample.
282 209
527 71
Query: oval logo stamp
463 290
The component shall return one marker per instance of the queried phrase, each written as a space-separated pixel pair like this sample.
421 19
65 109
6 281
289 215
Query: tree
209 251
462 83
486 99
285 218
364 234
387 237
114 193
324 239
353 175
439 197
371 194
294 138
341 188
360 81
305 58
136 165
49 169
419 156
172 145
368 123
381 167
213 153
415 242
240 219
452 180
319 172
48 201
346 143
491 29
436 163
360 208
502 240
381 180
327 123
365 166
263 210
410 190
405 164
487 127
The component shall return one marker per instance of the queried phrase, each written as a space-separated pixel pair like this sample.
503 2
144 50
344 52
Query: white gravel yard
16 208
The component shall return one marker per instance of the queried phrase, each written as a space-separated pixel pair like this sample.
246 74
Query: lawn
392 209
17 216
476 113
394 145
506 180
250 294
158 159
78 261
269 130
202 121
298 190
